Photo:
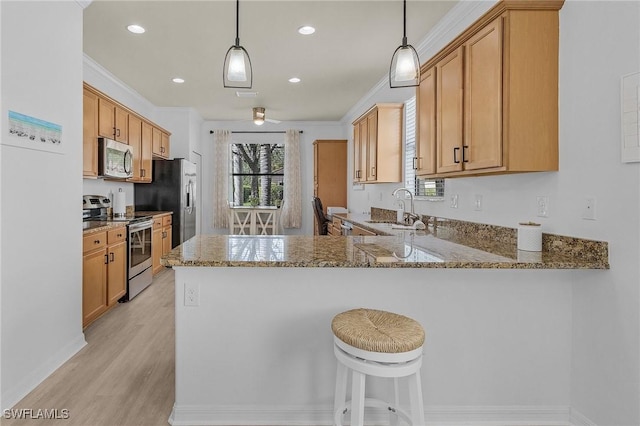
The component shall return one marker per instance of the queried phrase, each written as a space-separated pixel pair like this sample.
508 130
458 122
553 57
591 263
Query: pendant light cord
404 24
238 22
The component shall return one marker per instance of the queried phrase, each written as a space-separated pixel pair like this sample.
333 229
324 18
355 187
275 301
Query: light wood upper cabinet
140 140
360 150
104 117
378 144
90 134
160 143
482 147
113 121
449 103
496 94
372 146
424 163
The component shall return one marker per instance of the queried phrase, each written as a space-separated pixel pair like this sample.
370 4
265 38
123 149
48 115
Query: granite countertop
93 226
405 249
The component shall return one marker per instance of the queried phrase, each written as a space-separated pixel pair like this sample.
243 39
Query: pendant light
405 64
237 65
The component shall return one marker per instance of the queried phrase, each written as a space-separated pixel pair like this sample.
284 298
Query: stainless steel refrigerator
173 189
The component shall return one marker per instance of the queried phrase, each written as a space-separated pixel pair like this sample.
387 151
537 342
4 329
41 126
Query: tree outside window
257 174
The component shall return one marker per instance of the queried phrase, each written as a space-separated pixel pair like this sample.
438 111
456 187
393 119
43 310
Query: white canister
529 236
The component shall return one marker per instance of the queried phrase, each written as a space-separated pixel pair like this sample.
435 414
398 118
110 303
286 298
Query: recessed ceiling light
294 80
306 30
178 80
136 29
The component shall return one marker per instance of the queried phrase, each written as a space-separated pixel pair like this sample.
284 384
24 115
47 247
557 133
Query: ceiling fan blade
271 120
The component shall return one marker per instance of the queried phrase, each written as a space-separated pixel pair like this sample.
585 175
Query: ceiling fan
259 117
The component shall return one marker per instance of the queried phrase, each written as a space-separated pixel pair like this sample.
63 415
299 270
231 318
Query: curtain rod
256 131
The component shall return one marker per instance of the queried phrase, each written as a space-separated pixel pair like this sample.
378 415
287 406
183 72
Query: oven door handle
140 226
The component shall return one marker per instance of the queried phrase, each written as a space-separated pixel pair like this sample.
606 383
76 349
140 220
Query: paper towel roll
120 203
530 236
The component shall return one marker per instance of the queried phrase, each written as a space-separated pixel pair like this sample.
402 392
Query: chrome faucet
412 215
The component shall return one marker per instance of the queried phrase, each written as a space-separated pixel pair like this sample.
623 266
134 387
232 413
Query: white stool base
362 363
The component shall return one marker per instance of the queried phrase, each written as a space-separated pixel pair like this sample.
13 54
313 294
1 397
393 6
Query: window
425 188
257 174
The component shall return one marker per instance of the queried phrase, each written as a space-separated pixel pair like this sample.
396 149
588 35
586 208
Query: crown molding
84 3
106 74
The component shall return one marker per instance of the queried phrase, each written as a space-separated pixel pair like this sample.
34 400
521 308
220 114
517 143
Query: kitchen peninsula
253 314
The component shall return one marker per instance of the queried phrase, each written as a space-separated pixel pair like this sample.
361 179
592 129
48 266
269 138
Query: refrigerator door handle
189 204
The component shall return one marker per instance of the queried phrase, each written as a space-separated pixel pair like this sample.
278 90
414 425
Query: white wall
311 132
599 42
606 330
41 263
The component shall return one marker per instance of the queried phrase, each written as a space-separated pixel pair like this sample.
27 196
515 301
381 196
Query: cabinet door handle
117 132
106 259
414 163
455 155
373 171
119 235
464 157
96 242
112 256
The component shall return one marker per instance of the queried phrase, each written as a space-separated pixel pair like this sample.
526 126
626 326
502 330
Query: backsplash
507 237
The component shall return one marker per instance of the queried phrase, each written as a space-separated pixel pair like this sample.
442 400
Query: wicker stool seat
369 342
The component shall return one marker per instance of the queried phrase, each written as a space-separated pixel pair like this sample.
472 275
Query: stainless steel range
139 228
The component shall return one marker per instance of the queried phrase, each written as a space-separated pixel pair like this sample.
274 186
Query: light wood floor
125 374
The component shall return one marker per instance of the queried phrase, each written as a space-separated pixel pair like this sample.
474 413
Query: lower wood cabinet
361 231
161 240
335 227
104 272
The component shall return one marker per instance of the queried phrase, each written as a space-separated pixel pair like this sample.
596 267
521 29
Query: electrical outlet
589 208
191 294
454 201
543 206
477 205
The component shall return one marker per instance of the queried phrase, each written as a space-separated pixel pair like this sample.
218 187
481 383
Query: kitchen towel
530 236
120 203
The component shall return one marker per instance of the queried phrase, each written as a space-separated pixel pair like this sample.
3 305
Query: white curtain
221 142
291 215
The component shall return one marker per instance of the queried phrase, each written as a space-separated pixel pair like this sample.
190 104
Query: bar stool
371 342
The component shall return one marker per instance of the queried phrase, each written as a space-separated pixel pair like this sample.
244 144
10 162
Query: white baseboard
13 395
322 415
579 419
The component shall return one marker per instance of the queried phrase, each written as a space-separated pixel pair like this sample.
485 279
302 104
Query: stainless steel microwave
115 159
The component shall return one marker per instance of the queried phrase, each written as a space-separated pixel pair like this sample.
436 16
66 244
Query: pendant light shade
405 64
258 116
237 65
